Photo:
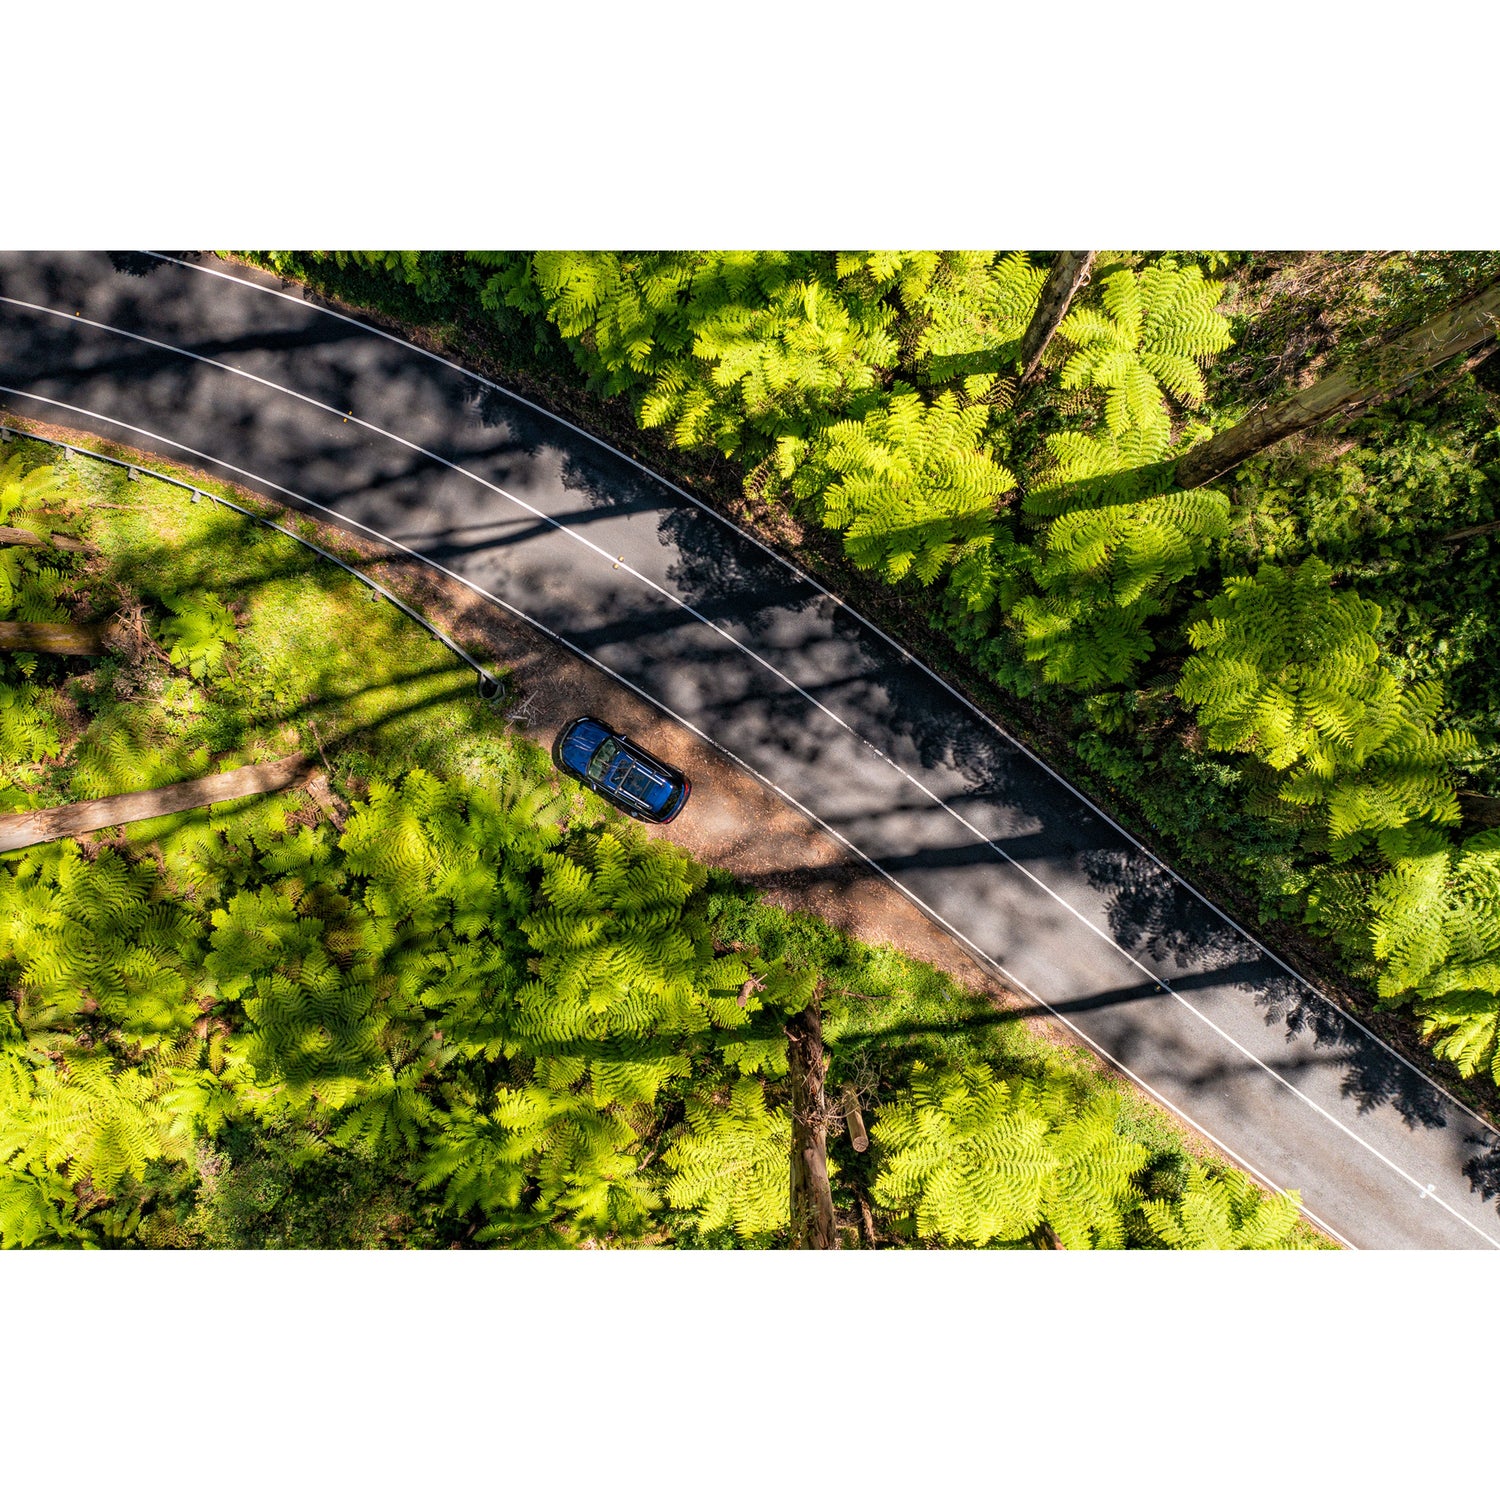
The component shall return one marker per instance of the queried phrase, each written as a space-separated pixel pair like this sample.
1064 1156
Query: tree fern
581 1157
1227 1212
1287 667
477 1162
29 730
1104 570
1283 662
909 485
1150 332
965 311
730 1164
976 1159
771 368
90 941
92 1118
618 953
1436 929
313 1020
22 487
35 1209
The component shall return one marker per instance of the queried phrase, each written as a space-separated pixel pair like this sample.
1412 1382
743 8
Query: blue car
621 772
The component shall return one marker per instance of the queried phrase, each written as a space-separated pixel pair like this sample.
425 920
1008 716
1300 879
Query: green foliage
1150 332
979 1159
910 486
133 749
28 727
34 1210
581 1157
1222 1213
1284 662
727 349
1104 569
963 312
730 1164
313 1027
1116 544
1437 930
619 953
200 630
24 486
1287 667
89 1117
93 947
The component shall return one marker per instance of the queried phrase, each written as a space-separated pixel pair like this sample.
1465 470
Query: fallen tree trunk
61 640
1068 272
1468 531
1394 367
44 824
812 1196
18 536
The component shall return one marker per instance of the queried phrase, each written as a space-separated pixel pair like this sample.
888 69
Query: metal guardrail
491 688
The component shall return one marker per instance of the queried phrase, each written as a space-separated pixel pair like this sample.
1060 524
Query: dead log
332 806
61 640
1392 368
813 1225
18 536
42 825
858 1137
1468 531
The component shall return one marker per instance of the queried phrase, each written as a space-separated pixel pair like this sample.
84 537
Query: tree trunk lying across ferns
1393 367
44 824
1468 531
812 1197
64 640
18 536
1068 273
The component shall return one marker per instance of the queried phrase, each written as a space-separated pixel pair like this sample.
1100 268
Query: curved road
222 367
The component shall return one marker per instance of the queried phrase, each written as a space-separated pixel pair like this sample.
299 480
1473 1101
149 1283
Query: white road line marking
791 567
496 489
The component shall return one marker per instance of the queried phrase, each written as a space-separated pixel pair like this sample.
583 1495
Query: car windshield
600 759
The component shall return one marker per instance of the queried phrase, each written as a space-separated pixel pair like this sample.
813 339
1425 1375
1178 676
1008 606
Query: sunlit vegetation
1289 674
463 1004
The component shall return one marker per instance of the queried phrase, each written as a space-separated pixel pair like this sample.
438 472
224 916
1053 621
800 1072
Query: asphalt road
215 365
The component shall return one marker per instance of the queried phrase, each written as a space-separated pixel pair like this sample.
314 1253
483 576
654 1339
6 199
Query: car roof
654 779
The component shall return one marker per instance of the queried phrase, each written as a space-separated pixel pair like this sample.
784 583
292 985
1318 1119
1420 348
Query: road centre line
983 958
896 645
75 320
